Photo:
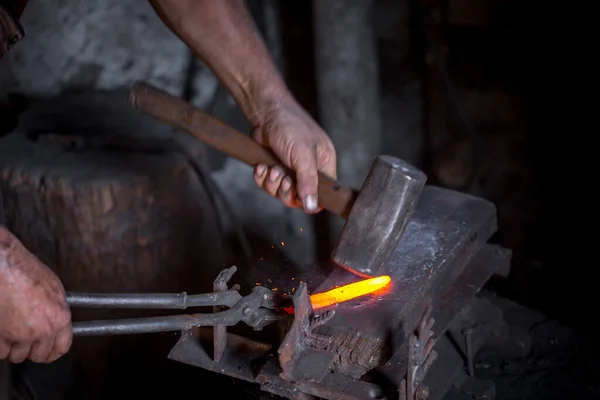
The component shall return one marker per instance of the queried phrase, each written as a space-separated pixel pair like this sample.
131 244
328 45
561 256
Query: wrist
260 96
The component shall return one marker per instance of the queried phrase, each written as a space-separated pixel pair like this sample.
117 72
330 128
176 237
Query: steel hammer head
379 216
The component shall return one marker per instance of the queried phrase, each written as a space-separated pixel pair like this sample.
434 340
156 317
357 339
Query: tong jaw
258 308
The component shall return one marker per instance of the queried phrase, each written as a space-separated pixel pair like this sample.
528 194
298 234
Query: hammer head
379 216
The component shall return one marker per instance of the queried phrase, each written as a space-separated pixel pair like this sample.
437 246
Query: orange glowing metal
346 292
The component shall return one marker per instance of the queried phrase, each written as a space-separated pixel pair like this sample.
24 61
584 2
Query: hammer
376 217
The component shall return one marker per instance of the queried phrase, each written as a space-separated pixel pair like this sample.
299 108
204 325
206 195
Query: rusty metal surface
332 387
420 357
301 356
220 331
239 359
379 216
487 262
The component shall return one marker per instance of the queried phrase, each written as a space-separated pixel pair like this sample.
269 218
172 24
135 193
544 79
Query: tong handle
169 301
165 301
170 323
245 309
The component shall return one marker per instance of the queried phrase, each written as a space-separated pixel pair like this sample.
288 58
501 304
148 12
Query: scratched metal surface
447 229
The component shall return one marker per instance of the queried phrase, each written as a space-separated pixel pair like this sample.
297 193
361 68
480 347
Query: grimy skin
35 321
34 316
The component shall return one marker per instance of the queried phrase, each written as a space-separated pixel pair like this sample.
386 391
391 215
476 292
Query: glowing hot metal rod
346 293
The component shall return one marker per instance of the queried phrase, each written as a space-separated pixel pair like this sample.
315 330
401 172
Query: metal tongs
257 310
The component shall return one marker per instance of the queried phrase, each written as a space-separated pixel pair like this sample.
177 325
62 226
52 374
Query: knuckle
56 324
275 173
63 323
62 349
309 179
273 186
328 157
328 142
23 335
45 331
269 188
306 166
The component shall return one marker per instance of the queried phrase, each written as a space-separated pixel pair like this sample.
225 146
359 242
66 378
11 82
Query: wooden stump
112 221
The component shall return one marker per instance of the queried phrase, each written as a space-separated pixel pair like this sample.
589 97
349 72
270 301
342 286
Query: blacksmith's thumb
307 180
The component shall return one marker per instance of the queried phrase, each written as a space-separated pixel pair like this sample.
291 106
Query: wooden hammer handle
181 115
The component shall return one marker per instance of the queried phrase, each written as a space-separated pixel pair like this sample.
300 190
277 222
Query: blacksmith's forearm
224 36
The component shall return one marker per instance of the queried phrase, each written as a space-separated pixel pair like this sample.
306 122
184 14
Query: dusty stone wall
108 44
